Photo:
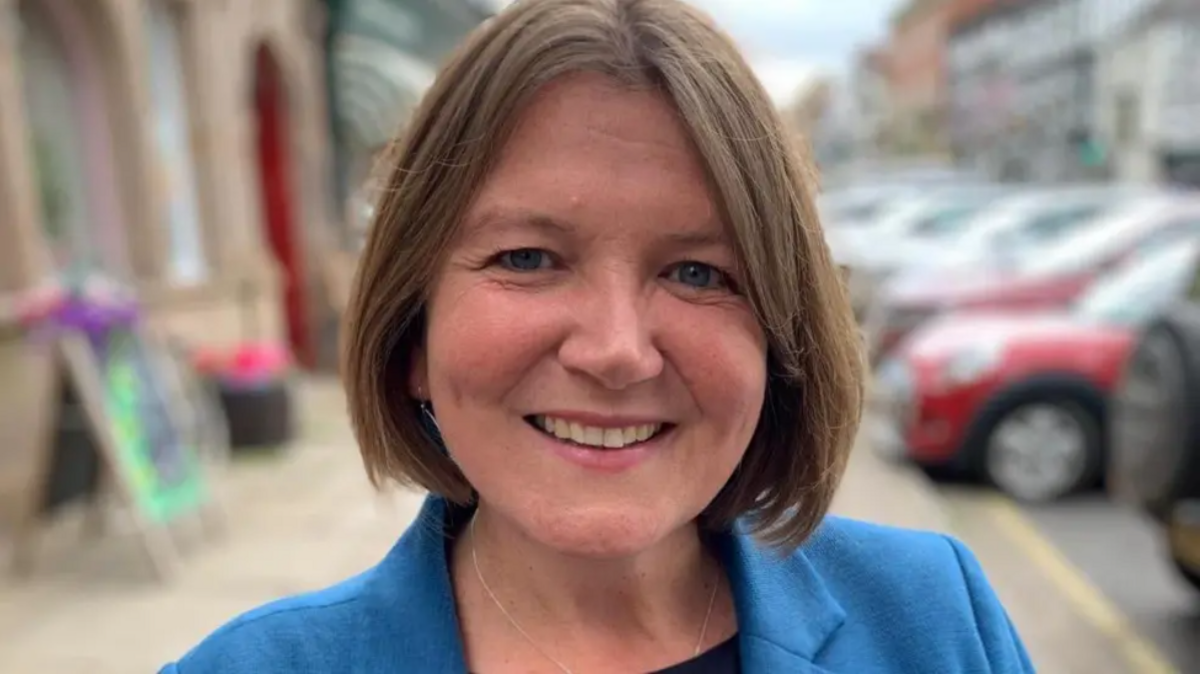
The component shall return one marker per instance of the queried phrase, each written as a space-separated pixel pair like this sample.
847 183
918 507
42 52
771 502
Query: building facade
1023 87
870 102
1149 95
917 77
178 146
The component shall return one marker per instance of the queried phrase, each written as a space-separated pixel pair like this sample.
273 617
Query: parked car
1020 399
853 218
1154 433
851 206
916 229
1051 278
1014 228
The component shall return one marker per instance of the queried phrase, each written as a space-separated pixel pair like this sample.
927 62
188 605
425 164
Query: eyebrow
507 219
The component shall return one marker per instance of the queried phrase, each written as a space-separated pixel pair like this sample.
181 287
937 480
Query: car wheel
1154 436
1042 450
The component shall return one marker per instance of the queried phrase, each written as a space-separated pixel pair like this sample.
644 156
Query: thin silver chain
712 598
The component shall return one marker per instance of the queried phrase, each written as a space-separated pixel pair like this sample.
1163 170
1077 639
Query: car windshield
1137 291
853 211
948 219
856 204
1053 221
1091 242
932 216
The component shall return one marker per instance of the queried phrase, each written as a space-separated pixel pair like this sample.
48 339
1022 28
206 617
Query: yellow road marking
1142 656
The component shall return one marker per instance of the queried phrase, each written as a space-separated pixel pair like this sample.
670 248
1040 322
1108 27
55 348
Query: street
1130 588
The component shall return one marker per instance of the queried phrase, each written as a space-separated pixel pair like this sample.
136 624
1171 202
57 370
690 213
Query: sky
789 41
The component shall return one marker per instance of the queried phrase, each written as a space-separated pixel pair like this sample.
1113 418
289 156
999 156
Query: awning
377 88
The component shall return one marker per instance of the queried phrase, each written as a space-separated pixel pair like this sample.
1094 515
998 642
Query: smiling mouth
594 437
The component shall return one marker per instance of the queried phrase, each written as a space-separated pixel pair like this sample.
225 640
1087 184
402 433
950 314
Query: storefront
180 146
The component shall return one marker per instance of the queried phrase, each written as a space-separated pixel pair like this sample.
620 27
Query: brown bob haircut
787 479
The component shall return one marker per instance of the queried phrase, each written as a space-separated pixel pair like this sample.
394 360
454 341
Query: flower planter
259 417
256 395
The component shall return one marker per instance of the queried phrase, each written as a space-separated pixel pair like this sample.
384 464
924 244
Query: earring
430 424
427 412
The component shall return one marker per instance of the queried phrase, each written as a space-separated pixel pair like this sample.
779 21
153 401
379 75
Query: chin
601 531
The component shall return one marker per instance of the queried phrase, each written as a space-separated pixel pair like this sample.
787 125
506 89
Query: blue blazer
856 598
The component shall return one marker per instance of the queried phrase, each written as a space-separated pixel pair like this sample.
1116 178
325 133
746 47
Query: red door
275 173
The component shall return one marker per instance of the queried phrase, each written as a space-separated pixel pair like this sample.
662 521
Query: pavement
1110 563
308 518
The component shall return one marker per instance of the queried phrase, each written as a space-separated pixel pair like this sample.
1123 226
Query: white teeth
594 436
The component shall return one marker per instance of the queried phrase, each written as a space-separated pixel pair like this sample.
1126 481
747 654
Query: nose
612 340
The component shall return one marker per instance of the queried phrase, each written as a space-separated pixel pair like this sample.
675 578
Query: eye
524 259
698 275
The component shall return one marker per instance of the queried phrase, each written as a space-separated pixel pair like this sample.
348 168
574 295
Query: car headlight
973 363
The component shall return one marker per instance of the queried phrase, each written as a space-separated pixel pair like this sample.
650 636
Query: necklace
712 598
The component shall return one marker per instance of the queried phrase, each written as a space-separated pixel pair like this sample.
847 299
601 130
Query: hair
813 403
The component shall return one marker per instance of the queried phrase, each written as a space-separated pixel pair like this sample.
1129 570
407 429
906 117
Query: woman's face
595 372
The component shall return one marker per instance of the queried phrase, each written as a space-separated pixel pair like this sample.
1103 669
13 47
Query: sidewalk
312 519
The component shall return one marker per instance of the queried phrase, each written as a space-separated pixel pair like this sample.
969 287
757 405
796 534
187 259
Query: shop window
64 105
187 260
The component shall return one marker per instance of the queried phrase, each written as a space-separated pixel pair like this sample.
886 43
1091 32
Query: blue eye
698 275
524 259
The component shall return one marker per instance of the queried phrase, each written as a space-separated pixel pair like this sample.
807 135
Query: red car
1020 398
1051 280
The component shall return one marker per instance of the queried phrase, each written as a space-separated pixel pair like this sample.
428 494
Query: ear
418 376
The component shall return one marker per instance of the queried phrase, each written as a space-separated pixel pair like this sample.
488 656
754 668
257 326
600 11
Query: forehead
591 151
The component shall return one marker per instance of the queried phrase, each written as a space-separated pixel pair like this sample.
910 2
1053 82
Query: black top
721 659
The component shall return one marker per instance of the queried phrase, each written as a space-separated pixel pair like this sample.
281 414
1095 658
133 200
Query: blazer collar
786 613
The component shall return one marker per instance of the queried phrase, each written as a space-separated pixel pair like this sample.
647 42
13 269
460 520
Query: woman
597 320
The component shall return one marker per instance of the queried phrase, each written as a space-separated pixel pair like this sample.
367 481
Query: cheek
722 358
481 341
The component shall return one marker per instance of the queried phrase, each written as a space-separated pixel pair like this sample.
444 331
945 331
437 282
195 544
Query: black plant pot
260 416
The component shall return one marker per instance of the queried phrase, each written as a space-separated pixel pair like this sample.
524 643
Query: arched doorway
66 80
278 198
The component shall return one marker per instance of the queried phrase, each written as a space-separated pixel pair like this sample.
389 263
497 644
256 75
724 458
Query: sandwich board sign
113 430
163 473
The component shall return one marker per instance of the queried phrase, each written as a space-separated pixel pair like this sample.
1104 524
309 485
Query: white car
1017 227
913 231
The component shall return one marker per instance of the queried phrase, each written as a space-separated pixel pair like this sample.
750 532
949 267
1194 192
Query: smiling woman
597 320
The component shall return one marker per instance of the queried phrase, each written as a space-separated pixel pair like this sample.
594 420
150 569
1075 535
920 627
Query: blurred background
1008 185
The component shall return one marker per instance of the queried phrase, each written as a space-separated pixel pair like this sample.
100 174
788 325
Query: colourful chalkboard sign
163 472
117 427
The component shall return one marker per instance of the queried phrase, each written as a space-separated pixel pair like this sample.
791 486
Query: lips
596 437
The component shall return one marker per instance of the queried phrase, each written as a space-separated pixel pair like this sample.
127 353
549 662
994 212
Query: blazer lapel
415 621
786 613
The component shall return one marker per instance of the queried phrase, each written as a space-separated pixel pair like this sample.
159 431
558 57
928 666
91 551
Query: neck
662 594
